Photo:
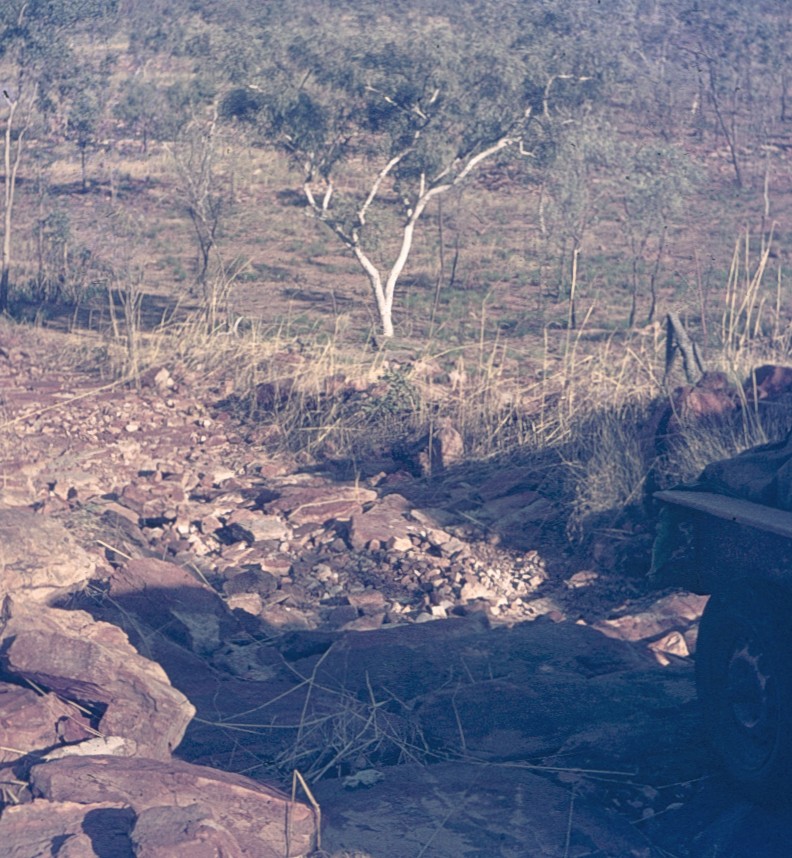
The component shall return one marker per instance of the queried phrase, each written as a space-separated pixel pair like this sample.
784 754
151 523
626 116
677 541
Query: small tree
418 113
571 198
206 199
142 107
652 192
83 124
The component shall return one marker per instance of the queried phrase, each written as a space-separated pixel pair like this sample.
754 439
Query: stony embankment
156 563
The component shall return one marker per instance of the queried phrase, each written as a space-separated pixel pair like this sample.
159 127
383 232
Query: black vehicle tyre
744 680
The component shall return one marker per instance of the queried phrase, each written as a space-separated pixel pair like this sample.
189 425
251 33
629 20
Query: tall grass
752 316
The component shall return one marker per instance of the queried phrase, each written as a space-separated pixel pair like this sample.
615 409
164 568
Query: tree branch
383 173
327 196
503 143
408 110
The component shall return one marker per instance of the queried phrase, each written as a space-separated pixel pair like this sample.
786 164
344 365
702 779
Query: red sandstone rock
713 397
369 601
78 658
182 832
66 828
676 610
318 504
451 446
383 522
262 820
157 377
258 526
39 556
34 722
768 383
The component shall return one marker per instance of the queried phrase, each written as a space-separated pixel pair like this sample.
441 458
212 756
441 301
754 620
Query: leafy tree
143 109
150 111
416 105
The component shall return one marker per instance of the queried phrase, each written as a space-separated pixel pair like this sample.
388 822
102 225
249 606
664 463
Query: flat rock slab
384 524
465 810
316 505
67 829
675 611
563 694
263 821
39 556
602 722
412 661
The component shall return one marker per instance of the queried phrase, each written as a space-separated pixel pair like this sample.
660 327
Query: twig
37 412
296 776
114 550
568 839
459 723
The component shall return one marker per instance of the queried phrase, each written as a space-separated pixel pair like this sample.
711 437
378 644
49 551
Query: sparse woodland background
485 209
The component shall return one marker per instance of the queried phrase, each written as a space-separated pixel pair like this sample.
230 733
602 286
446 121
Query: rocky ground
190 620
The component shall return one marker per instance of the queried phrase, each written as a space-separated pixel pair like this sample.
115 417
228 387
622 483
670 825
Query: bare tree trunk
384 307
8 202
678 340
633 295
4 290
454 263
572 320
729 133
441 272
653 277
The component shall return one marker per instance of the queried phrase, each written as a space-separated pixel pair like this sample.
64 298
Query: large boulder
182 832
768 383
71 654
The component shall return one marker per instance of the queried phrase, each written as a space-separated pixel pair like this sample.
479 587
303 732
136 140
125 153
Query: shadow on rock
433 734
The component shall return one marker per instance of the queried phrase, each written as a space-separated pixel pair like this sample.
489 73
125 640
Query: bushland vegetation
486 206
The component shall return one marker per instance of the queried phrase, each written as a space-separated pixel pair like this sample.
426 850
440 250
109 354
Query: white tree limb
381 176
